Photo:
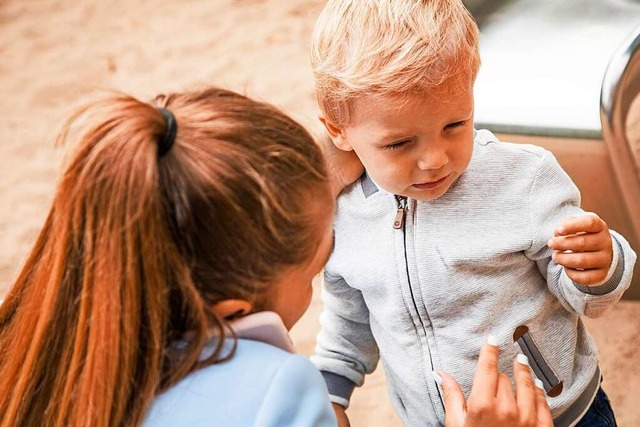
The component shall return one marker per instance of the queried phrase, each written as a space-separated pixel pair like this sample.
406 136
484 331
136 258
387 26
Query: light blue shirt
261 385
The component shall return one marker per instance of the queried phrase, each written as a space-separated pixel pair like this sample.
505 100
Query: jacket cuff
614 276
340 388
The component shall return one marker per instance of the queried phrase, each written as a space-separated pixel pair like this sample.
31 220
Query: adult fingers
583 260
485 382
344 166
507 407
455 406
526 391
588 223
543 412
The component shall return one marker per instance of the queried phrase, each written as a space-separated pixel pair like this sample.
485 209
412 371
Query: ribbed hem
576 411
614 276
340 388
339 400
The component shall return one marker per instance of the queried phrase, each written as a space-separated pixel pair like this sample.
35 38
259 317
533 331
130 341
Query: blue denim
600 413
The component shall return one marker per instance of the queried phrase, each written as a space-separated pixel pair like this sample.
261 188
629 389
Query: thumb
455 405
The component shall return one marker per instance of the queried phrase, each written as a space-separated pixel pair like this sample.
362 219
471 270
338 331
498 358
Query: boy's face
416 147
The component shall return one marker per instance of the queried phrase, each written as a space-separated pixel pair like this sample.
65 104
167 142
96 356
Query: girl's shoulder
260 380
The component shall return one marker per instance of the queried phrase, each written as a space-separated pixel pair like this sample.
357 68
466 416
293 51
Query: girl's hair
389 47
137 248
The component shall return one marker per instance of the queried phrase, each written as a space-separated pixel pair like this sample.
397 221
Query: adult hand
344 166
492 402
582 245
341 415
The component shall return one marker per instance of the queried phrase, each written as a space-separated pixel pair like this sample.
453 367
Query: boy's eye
455 125
395 145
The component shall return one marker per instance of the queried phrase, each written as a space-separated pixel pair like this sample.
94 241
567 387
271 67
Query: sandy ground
56 53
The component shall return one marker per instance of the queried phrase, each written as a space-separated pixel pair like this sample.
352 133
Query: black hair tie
169 137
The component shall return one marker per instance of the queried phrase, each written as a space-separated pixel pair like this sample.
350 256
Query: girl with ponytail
180 246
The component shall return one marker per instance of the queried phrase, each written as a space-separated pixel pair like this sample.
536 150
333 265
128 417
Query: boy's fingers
455 405
582 242
526 391
543 412
341 415
587 277
583 260
485 383
588 223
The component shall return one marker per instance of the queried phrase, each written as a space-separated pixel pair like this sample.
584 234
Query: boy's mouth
430 184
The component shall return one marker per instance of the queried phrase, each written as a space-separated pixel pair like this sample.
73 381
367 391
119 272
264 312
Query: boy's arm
553 197
345 350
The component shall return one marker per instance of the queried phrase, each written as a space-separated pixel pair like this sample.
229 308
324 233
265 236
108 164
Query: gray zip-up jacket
421 284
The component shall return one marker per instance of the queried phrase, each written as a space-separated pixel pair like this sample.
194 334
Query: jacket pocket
552 385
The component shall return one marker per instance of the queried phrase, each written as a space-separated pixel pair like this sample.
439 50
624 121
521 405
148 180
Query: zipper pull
401 213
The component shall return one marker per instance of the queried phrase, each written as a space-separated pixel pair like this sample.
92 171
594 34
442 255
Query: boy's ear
336 134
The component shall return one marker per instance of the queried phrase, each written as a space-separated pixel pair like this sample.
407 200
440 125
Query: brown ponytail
137 248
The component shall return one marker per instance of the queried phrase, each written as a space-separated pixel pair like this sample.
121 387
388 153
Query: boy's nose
432 160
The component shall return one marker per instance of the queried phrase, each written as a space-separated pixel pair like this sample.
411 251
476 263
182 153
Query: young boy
450 235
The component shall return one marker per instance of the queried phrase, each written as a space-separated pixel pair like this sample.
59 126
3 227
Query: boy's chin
425 195
426 199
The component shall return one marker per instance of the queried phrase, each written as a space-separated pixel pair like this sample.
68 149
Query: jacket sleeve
297 396
553 196
345 350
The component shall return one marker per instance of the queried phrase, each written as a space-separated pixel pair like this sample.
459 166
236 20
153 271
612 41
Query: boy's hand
341 415
344 166
582 245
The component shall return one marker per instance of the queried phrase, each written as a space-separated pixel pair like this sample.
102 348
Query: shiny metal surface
543 62
620 87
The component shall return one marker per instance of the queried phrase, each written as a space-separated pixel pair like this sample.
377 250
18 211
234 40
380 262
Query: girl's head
138 250
247 196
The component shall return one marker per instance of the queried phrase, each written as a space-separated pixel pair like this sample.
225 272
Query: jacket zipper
400 223
401 214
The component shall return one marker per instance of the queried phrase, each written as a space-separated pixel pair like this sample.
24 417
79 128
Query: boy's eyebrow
392 136
462 117
469 114
395 134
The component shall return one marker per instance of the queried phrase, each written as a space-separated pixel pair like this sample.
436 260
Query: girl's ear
336 134
232 308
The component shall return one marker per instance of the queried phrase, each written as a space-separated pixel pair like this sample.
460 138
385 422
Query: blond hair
380 47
